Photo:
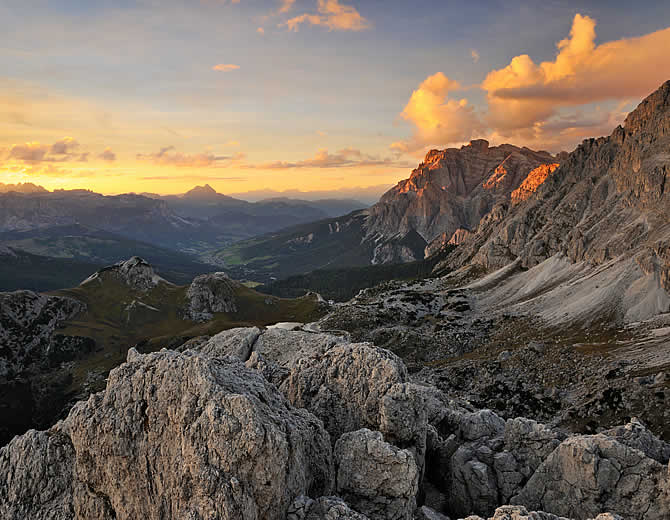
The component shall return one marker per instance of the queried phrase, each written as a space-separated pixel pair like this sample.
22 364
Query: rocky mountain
439 204
598 225
22 187
453 189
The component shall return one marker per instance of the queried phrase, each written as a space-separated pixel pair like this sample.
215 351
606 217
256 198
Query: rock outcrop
452 189
375 477
173 435
208 294
136 273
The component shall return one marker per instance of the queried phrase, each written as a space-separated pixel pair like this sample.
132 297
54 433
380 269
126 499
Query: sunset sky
160 95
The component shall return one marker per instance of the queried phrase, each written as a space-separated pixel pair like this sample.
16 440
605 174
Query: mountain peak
201 192
652 114
135 272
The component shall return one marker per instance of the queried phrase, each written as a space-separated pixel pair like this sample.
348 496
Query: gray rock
588 474
323 508
636 435
344 387
376 478
208 294
135 272
233 342
173 435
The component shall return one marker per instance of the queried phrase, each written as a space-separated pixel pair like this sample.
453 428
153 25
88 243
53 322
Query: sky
330 95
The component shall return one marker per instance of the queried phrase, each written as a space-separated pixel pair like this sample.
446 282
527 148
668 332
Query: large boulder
592 473
375 477
208 294
344 387
232 342
521 513
173 436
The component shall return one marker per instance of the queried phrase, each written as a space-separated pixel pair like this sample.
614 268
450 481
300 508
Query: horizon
143 99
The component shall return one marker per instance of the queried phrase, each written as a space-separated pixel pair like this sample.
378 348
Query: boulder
344 387
172 436
588 474
208 294
375 477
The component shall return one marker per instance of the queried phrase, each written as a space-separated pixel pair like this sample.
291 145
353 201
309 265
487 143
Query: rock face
453 189
31 348
344 387
531 183
135 272
589 474
28 325
210 293
607 202
174 435
376 477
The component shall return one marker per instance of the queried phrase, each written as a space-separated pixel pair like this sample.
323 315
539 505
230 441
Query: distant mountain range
82 229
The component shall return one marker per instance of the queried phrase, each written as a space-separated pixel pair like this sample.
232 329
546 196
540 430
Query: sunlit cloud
169 156
530 104
474 55
107 155
64 146
333 15
286 6
524 93
345 158
225 67
260 30
438 119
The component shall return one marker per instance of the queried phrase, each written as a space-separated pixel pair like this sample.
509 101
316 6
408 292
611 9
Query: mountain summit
202 193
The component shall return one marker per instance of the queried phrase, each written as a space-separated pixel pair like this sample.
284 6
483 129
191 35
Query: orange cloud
437 119
286 6
225 67
107 155
524 93
474 55
169 156
530 104
345 158
331 14
260 30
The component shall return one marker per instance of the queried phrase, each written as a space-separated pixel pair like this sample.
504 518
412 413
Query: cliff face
453 189
607 200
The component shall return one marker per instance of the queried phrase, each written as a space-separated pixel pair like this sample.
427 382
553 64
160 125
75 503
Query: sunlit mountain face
335 96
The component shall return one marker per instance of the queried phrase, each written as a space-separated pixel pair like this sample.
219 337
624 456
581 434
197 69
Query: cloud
437 119
475 55
331 14
63 150
260 30
524 93
345 158
169 156
28 152
225 67
107 155
553 104
286 6
64 146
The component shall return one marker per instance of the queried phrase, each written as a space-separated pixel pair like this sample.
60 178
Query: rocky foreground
281 424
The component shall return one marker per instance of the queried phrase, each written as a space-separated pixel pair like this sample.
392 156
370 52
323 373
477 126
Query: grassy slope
114 329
